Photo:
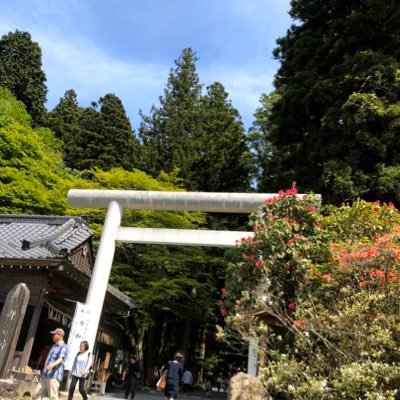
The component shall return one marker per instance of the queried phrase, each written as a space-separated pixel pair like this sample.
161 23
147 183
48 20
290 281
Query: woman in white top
80 370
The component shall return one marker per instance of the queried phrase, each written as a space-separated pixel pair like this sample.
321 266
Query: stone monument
11 319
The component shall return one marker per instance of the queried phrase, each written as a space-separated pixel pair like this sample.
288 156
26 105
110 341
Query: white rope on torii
116 200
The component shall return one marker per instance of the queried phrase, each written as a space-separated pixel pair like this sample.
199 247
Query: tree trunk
148 361
187 330
202 356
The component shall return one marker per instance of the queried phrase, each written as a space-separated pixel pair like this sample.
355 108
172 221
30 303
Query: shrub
320 291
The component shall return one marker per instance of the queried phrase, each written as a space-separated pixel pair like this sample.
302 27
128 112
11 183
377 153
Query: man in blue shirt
53 371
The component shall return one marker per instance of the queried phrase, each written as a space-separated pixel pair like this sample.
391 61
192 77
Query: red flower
292 306
327 277
224 312
299 323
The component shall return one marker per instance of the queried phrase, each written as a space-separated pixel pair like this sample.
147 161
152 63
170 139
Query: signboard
81 329
252 360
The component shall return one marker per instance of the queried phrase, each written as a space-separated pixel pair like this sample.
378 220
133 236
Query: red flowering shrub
331 283
287 240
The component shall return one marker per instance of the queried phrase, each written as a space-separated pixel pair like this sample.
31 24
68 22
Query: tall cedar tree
120 148
258 138
334 124
21 72
88 143
171 134
224 163
64 121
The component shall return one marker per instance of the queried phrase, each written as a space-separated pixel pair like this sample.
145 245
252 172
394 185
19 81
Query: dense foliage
30 174
336 103
319 292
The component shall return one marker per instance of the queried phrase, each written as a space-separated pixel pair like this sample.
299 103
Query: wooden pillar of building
26 353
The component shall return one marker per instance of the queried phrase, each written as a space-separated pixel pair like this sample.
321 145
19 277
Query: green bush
320 291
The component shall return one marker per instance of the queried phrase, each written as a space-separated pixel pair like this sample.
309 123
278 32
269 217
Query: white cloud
92 73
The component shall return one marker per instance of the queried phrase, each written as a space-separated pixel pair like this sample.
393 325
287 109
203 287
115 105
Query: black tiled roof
39 237
44 237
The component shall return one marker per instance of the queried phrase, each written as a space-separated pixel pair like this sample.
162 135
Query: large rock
8 389
246 387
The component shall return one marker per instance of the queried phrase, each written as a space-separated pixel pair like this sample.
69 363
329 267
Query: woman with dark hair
173 375
80 370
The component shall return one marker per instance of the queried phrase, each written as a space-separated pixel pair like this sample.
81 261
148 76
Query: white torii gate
116 200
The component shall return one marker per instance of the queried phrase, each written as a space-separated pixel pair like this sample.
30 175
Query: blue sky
128 47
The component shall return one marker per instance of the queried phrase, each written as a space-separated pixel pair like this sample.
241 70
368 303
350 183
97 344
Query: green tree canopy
94 138
332 125
21 72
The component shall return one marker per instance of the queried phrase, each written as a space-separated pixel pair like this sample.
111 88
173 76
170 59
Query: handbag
89 374
161 383
163 379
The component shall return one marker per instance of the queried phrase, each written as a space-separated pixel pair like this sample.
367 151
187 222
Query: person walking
80 370
187 380
131 377
219 382
208 387
173 374
53 370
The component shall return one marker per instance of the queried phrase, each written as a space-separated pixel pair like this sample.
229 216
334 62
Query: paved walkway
150 394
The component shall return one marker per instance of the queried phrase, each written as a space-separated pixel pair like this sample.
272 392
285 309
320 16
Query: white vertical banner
81 329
